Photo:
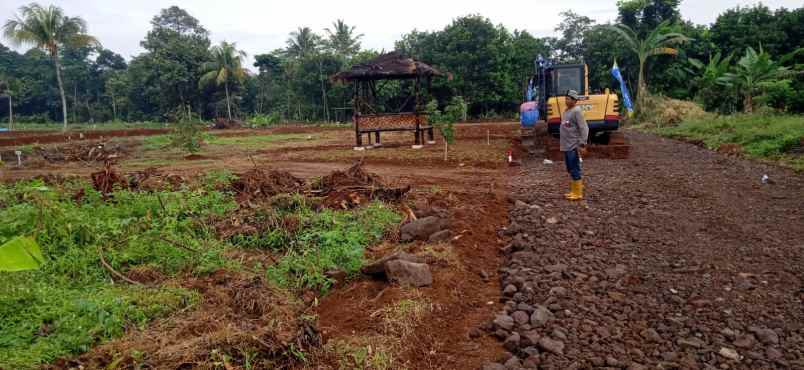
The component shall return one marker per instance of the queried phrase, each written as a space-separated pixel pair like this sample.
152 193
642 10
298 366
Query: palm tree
657 42
342 40
48 29
226 67
302 42
755 71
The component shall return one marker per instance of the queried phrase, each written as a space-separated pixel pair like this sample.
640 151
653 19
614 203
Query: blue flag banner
615 71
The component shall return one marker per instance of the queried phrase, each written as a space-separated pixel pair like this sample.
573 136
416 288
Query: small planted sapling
445 121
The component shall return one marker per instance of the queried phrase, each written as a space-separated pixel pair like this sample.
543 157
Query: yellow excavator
547 91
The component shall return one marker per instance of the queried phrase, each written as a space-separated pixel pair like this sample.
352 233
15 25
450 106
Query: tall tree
657 42
342 40
49 29
302 43
5 91
164 79
569 47
226 67
741 27
643 16
270 68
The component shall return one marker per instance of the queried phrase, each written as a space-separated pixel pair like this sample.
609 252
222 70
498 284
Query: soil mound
241 321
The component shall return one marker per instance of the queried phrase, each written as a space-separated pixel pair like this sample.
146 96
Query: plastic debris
547 161
765 179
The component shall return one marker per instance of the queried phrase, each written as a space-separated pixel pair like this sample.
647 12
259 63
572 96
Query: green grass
328 240
70 304
762 135
155 142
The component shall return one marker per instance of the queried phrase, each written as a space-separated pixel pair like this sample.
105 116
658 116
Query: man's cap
573 94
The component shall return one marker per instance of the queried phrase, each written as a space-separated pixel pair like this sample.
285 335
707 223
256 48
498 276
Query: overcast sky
259 26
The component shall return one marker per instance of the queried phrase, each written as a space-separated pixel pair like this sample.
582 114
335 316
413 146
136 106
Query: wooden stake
488 137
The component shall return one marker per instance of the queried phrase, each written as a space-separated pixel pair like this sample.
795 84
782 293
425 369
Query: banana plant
755 71
708 74
657 42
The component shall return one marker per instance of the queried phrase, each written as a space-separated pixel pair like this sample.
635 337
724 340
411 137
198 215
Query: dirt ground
679 258
358 315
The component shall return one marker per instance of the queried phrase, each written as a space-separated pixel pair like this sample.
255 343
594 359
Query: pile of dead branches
84 152
226 124
150 179
353 187
260 184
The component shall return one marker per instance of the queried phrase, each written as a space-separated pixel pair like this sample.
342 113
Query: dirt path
679 258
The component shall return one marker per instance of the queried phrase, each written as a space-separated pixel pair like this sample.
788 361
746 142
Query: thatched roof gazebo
370 78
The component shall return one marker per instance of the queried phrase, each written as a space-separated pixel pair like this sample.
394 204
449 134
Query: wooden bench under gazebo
374 113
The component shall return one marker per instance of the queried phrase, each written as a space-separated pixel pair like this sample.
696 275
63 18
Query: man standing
574 134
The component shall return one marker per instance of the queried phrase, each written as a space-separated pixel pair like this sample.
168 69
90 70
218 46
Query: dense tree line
180 75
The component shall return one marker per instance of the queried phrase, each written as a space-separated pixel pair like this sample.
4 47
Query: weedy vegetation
96 249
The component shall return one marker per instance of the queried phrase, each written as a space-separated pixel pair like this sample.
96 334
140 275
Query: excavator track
612 145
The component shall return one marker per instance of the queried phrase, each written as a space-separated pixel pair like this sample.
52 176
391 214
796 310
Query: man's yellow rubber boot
571 193
577 191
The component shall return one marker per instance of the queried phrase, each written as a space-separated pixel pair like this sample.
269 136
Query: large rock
552 346
409 273
504 322
378 267
441 236
541 316
422 228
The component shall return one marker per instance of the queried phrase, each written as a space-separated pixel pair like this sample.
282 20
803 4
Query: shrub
187 136
264 120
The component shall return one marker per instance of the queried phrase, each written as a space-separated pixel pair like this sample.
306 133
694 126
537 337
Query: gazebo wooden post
356 114
417 111
430 130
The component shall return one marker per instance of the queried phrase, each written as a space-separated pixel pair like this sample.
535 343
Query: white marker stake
19 158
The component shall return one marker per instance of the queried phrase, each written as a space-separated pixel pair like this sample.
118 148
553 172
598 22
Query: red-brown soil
17 138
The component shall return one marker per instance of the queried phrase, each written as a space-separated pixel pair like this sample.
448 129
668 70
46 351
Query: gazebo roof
388 66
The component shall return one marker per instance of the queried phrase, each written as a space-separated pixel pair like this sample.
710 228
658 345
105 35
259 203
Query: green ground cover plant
70 303
766 135
73 302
